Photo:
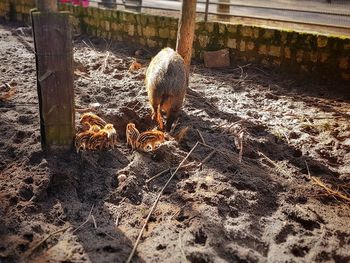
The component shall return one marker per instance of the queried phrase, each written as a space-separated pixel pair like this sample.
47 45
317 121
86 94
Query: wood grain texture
186 31
54 58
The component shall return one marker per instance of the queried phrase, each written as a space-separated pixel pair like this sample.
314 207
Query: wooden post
206 11
185 32
46 5
54 67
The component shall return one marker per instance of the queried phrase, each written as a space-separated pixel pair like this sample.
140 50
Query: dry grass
336 193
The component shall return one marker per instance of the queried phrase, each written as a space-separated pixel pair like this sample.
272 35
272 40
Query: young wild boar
166 84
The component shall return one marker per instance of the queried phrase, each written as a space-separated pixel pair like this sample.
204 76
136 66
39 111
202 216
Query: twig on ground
279 168
334 116
61 220
178 211
93 46
200 135
206 159
119 215
86 44
104 66
137 104
345 188
230 126
94 221
286 136
308 171
225 154
109 45
262 71
87 220
156 202
109 235
329 190
164 172
240 155
157 175
223 124
46 238
308 121
241 67
81 74
117 220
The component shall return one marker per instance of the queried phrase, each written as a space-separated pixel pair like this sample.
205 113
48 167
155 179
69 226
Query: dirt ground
264 209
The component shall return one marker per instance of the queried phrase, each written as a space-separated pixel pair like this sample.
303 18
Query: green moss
162 21
200 26
144 20
93 11
151 19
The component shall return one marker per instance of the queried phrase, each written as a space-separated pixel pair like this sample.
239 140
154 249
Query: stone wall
318 56
16 9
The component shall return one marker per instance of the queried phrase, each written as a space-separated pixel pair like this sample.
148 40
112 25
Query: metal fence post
206 10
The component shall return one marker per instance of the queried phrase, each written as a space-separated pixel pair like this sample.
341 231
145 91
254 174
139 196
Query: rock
121 178
217 59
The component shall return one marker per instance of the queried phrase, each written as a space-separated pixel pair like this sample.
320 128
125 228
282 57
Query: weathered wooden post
185 31
206 10
54 64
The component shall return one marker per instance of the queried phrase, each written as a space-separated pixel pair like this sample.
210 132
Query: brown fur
88 119
131 135
166 84
96 138
150 140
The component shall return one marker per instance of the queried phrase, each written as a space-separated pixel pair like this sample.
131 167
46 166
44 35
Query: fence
334 14
320 56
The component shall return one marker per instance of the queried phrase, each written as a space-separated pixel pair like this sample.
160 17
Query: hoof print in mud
200 237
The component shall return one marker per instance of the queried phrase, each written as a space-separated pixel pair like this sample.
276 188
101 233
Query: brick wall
319 56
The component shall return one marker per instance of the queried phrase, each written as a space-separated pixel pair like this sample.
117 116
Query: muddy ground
264 209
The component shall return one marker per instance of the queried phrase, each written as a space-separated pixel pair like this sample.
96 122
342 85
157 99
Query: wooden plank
54 58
